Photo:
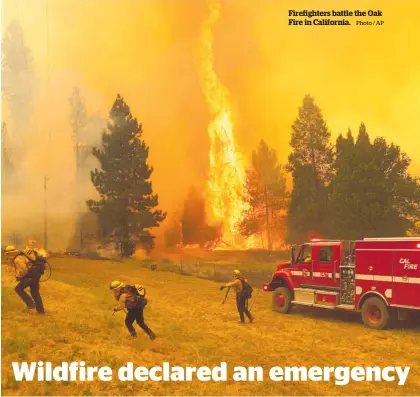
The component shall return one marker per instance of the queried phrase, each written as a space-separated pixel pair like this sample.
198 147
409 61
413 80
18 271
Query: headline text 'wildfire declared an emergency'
79 371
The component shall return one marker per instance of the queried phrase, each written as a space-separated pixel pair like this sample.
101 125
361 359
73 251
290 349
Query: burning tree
415 230
127 207
266 196
226 171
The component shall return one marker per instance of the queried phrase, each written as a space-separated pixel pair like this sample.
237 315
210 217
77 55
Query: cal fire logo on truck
408 265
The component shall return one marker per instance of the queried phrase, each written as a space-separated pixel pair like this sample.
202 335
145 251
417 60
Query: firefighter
307 254
29 267
243 293
126 298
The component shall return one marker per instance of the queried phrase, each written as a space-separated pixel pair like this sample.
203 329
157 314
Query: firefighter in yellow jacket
238 285
126 297
29 267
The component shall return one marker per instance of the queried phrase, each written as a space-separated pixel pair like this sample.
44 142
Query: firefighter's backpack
246 289
139 294
40 262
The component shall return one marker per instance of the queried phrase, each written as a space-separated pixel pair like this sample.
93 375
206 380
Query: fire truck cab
380 277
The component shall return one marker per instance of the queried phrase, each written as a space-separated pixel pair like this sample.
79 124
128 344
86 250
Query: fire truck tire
281 300
375 313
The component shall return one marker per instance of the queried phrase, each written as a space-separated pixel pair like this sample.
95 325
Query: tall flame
226 173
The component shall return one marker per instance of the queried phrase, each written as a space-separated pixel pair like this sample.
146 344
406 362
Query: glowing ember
226 172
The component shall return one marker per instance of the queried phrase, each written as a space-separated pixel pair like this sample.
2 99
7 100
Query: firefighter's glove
222 288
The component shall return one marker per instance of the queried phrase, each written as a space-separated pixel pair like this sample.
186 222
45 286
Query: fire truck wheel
375 313
282 298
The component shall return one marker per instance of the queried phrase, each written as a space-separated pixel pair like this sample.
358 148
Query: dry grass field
193 328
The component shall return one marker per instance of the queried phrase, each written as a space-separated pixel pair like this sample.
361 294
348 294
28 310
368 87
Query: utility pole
45 214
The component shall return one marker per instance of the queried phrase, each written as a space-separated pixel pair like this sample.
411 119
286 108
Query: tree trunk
315 171
267 220
262 241
271 226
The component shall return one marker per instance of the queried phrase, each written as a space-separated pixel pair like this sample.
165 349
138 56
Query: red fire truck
378 276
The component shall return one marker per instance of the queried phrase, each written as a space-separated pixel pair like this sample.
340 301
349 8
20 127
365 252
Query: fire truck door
302 268
327 265
406 280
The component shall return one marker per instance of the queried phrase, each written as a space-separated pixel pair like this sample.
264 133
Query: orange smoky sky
147 51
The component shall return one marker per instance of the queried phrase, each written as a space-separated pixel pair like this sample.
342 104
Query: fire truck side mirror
292 255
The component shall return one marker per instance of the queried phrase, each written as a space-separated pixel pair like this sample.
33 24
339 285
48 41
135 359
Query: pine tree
18 78
78 123
127 206
6 163
266 196
372 193
401 189
343 223
173 234
195 229
78 120
193 217
310 163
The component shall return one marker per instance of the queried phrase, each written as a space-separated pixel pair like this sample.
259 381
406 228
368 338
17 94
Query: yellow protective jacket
22 263
122 299
236 284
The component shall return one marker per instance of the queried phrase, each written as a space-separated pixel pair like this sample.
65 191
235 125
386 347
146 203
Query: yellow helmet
236 273
10 249
116 284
